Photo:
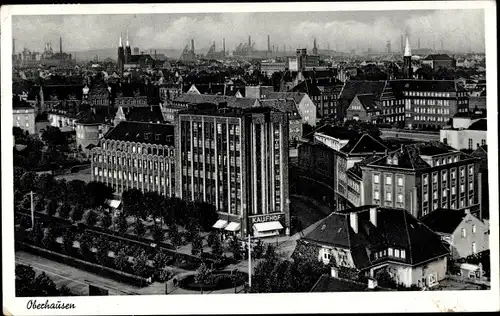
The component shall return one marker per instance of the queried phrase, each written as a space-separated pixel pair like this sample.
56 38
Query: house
371 240
470 138
305 106
23 115
364 108
436 61
464 233
322 91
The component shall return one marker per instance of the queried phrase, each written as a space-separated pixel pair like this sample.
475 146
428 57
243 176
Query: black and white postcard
249 158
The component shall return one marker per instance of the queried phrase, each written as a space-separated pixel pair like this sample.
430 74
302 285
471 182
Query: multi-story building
470 138
371 240
305 106
430 103
270 67
150 114
136 155
98 95
436 61
23 116
237 160
135 101
323 92
169 91
295 121
422 178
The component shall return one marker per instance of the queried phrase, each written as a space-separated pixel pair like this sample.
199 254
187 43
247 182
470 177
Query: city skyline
342 31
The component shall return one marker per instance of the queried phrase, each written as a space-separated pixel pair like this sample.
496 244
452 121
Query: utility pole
249 262
32 212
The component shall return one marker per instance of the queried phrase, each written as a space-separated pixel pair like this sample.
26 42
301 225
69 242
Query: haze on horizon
460 30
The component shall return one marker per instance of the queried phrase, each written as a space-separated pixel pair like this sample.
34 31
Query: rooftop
480 125
232 101
364 144
327 283
337 132
150 133
399 86
150 114
444 220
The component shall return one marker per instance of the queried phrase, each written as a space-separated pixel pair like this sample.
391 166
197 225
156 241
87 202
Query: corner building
237 160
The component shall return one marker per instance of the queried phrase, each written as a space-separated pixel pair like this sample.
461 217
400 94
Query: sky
460 30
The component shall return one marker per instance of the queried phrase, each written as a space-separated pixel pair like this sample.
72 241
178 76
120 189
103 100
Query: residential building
258 92
136 155
464 233
323 92
150 114
470 138
305 106
371 240
424 177
23 115
465 119
237 160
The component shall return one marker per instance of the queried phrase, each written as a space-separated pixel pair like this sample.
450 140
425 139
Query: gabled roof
480 125
296 96
364 144
356 169
337 132
398 86
307 86
151 133
444 220
287 106
353 88
407 158
438 57
98 116
368 101
396 228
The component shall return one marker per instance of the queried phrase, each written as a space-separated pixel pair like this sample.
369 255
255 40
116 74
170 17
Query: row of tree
28 284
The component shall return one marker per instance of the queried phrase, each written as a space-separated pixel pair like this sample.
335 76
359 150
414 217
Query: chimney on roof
353 218
373 216
372 283
334 272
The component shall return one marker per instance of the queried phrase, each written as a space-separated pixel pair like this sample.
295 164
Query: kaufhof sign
278 217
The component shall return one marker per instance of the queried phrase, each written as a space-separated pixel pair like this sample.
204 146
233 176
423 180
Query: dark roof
287 106
438 57
433 148
398 86
215 99
20 104
353 88
364 144
296 96
396 228
472 114
407 158
151 114
151 133
307 86
480 125
356 169
337 132
367 101
63 92
444 220
98 116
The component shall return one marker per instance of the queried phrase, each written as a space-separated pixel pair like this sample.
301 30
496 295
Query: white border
257 303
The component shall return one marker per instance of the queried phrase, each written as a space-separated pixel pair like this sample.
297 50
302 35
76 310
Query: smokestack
155 54
249 41
268 43
418 43
60 46
224 45
402 44
192 45
13 46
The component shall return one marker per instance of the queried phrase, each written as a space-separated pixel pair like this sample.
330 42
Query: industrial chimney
268 43
192 45
249 41
60 46
224 45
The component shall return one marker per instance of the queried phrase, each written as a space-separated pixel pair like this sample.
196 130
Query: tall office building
237 160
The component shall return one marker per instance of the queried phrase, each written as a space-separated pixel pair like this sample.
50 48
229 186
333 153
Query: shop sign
266 218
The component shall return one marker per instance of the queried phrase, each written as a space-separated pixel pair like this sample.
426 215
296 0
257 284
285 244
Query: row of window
431 102
427 94
388 178
432 111
463 232
391 252
126 147
431 118
388 197
471 143
130 176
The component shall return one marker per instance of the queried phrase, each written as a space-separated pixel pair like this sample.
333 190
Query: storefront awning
264 227
114 203
220 224
233 226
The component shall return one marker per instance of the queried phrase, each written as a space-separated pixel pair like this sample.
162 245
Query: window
396 253
403 253
464 233
483 142
400 198
434 177
473 228
453 191
470 143
462 188
388 196
376 195
474 250
426 197
376 178
471 170
388 179
435 195
426 180
471 186
391 252
445 191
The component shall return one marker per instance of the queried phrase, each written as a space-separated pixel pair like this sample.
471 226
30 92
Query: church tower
121 56
315 48
128 51
407 66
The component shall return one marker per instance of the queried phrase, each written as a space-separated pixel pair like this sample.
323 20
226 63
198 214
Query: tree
121 224
160 259
203 274
77 213
65 291
102 253
97 193
152 205
258 249
54 138
174 236
25 276
140 264
45 286
106 219
40 205
132 203
91 218
18 173
217 247
47 185
76 192
157 233
28 181
121 260
211 237
37 233
197 245
49 238
235 248
207 215
64 210
85 245
139 228
68 239
51 207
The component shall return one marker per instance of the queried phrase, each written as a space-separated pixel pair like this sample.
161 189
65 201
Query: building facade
136 155
237 160
23 116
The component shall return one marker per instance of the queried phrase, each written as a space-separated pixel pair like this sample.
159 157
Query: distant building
150 114
237 160
436 61
270 67
464 233
365 240
136 155
23 116
258 92
323 92
305 106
